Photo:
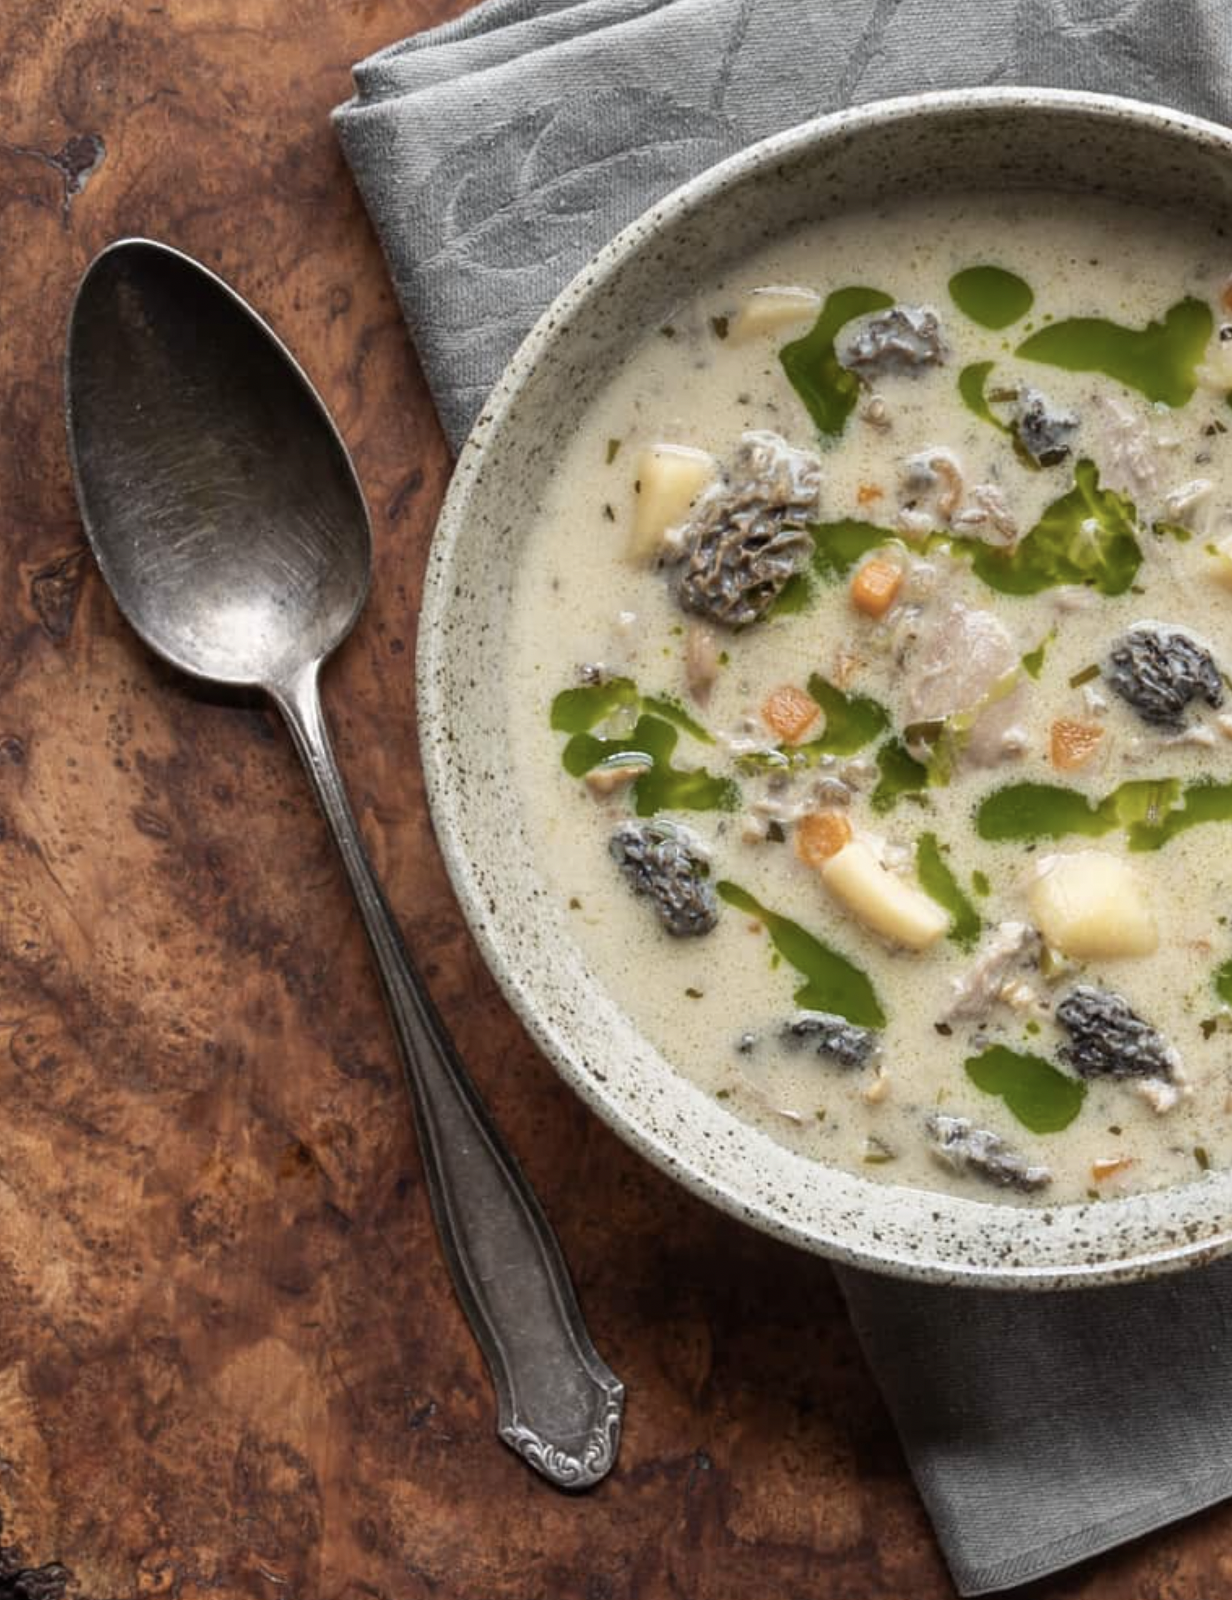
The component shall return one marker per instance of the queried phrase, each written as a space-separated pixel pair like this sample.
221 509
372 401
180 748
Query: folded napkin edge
1184 1500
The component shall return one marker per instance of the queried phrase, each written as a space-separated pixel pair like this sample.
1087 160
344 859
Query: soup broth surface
1030 742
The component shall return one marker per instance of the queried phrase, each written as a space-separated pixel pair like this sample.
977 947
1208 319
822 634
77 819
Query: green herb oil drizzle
1158 360
837 546
851 722
1150 810
832 983
902 777
937 880
651 741
1087 536
991 296
972 382
1033 661
1034 1091
811 363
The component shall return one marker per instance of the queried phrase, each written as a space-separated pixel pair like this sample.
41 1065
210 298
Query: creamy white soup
868 694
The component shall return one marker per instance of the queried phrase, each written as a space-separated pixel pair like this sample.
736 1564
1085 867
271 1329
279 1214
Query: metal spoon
226 517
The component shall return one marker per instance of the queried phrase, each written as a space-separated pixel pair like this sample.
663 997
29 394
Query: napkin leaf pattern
509 207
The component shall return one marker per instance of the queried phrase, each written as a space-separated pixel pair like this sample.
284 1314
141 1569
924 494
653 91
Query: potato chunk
767 310
670 477
1089 905
882 901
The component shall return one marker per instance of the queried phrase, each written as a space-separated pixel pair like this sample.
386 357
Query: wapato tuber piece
884 902
670 477
1090 906
770 309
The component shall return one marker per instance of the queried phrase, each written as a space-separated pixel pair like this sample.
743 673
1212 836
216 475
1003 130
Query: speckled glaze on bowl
965 140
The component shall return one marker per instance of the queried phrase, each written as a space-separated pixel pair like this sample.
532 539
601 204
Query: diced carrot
867 493
1109 1167
1072 744
789 713
875 585
820 835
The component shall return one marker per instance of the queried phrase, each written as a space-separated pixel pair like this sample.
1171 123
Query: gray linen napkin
496 154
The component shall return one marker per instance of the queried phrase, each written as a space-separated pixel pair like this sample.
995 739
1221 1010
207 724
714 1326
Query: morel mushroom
747 537
1159 670
962 1147
902 340
1109 1039
664 863
833 1037
1043 430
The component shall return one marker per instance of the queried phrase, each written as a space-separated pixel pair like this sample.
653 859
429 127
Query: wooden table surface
230 1360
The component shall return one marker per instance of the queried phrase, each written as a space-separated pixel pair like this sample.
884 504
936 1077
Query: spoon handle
559 1405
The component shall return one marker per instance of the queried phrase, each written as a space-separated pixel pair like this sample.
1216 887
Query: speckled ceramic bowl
976 139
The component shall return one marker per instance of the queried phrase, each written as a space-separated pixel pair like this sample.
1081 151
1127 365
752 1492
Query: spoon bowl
228 521
245 547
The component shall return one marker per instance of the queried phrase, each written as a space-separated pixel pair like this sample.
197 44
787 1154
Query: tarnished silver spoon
226 517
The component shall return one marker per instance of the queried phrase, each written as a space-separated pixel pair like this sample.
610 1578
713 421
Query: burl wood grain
230 1361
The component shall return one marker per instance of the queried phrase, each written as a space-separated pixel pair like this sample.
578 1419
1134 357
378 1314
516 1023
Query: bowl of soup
824 687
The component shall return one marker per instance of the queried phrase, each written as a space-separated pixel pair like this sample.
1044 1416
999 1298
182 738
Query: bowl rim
694 194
